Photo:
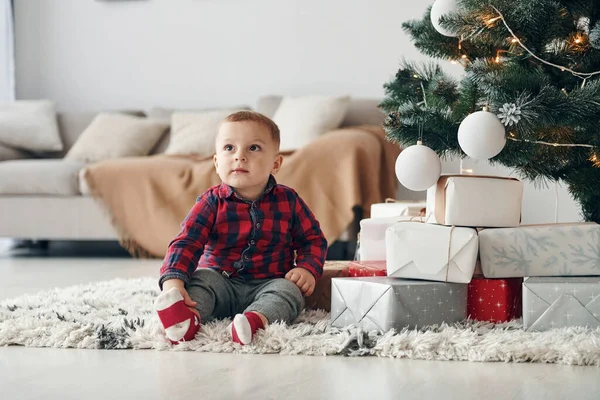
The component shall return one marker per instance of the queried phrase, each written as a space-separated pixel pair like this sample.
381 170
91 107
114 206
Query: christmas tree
535 65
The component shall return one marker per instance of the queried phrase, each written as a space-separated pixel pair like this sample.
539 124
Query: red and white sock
180 323
244 326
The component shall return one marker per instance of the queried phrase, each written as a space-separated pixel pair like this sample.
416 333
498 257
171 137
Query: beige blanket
148 197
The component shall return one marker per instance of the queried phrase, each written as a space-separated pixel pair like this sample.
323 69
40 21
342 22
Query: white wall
94 54
89 54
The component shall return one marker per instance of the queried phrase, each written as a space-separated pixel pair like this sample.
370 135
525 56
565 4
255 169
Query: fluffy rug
118 314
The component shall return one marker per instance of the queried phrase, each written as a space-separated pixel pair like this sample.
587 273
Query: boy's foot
180 323
244 326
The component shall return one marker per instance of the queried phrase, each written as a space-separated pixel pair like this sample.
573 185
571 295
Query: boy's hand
303 279
187 300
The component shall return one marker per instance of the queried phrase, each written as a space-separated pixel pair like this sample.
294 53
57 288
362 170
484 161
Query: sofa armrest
10 153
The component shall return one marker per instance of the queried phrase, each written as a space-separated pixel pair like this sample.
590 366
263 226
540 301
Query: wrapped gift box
321 296
541 250
494 300
372 236
554 302
476 201
432 252
367 268
382 303
397 208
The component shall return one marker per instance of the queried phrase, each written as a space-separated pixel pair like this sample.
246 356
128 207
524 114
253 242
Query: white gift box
431 252
570 249
476 201
372 236
397 208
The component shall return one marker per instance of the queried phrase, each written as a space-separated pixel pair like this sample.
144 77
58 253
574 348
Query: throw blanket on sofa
148 197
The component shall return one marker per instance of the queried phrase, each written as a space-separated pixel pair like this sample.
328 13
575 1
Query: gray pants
220 297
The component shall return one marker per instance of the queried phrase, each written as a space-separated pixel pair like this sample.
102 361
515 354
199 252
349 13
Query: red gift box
367 268
494 300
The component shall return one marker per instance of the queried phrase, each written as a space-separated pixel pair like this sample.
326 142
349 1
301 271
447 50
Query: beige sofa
47 199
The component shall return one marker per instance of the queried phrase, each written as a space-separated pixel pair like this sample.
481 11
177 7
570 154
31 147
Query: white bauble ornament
481 135
418 167
443 7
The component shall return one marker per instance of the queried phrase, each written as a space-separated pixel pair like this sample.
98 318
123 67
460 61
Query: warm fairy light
512 134
589 146
415 76
581 75
497 59
464 56
578 38
514 40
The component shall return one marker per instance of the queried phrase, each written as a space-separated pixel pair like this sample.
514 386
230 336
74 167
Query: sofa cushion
10 153
71 125
195 133
303 119
47 177
165 114
112 136
361 111
267 105
30 125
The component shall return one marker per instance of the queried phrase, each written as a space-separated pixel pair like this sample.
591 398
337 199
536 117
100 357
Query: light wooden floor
30 373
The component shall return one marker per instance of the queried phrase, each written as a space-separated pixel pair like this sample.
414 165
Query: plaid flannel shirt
246 239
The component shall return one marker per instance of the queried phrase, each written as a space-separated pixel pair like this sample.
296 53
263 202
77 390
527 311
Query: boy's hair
253 116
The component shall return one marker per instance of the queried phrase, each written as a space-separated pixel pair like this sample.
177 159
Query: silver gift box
554 302
383 303
571 249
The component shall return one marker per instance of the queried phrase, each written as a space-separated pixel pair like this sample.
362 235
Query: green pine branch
554 105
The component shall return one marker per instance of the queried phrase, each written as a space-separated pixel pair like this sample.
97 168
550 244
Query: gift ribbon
448 258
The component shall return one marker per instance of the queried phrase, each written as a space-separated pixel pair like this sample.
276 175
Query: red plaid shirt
246 239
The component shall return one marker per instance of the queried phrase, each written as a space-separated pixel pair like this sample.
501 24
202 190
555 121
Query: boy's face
245 157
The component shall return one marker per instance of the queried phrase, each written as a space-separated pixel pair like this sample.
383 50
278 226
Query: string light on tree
543 85
418 167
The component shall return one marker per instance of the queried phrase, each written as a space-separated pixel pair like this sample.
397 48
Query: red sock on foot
244 326
180 323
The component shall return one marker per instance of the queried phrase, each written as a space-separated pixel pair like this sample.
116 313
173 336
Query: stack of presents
466 255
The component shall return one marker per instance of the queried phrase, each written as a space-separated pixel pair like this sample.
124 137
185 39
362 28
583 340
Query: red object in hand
495 300
367 268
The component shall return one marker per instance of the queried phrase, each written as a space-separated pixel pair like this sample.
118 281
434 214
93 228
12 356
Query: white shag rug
118 314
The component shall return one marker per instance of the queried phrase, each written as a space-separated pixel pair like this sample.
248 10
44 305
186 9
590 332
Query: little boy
234 256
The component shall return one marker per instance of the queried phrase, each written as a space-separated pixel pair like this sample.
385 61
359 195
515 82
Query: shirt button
258 225
246 257
253 242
